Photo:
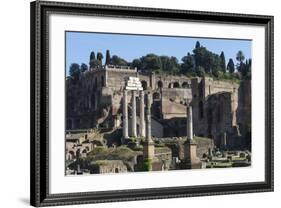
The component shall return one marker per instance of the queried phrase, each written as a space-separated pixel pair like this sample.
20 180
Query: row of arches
160 85
178 85
74 154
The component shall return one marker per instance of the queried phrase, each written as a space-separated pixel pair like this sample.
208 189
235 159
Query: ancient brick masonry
221 110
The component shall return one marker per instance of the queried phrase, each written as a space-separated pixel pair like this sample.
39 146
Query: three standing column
133 126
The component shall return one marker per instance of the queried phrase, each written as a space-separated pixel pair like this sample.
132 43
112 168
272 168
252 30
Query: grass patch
120 153
147 165
219 165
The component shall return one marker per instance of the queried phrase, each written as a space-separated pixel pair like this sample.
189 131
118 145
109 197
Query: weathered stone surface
218 106
148 146
125 115
191 160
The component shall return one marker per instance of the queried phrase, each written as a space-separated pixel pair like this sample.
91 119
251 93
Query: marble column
210 151
191 161
148 146
125 115
189 122
134 114
148 118
142 122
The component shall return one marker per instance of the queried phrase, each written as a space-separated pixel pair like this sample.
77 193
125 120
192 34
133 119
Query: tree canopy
230 66
84 67
188 64
74 71
199 62
116 60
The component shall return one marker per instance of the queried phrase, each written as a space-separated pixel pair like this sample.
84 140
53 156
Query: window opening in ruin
185 85
160 84
176 85
144 85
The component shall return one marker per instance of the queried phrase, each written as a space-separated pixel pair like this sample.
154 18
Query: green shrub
147 165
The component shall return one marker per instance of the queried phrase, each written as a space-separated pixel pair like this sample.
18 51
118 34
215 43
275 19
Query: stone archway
176 85
144 84
160 84
185 85
70 155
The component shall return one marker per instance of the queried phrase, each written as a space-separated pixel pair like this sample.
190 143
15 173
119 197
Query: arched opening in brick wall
160 84
144 84
176 85
71 155
185 85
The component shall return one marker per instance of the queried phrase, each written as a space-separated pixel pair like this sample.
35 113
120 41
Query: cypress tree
222 60
230 66
107 58
197 45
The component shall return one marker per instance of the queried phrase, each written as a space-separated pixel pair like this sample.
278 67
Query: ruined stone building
221 109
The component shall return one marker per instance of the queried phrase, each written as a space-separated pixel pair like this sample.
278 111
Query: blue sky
80 44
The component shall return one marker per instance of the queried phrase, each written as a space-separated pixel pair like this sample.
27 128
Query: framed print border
39 59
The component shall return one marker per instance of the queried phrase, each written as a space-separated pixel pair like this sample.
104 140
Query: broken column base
148 154
126 140
191 160
148 150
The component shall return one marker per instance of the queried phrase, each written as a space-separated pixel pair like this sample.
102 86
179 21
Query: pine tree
188 65
92 58
83 67
99 56
240 58
74 71
92 55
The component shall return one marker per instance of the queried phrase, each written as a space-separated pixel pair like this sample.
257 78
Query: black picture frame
39 176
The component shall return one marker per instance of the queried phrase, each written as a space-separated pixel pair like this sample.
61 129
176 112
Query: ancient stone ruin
165 115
